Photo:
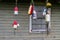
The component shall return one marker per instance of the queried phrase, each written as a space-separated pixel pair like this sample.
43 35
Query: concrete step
12 14
3 19
11 28
5 7
19 33
55 20
14 17
10 25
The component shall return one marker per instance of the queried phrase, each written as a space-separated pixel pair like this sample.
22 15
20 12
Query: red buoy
15 10
15 24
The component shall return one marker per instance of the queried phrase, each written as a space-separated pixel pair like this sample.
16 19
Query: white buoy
16 10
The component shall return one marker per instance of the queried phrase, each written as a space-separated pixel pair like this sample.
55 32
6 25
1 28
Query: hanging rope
47 1
16 2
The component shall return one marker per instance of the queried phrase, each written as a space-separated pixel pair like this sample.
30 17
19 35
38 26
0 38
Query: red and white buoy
15 24
15 10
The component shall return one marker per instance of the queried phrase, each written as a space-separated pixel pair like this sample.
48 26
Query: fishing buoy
15 10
